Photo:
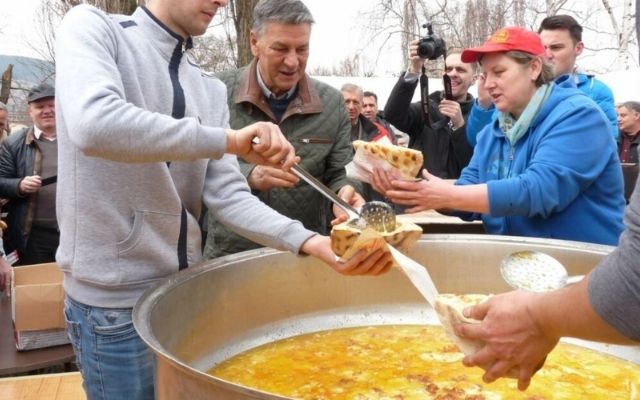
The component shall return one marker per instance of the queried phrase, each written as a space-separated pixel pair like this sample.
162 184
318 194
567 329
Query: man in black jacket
370 110
28 171
443 142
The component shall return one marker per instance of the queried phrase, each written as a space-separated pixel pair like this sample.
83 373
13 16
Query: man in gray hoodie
142 135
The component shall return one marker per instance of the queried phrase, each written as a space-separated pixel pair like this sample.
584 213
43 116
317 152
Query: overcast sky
334 36
15 25
337 34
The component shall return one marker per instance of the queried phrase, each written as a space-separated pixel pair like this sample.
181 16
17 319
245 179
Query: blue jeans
114 361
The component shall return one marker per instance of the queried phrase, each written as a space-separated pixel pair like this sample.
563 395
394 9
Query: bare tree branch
623 30
389 23
212 54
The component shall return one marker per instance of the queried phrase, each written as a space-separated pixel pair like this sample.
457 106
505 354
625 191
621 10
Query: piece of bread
449 309
367 239
345 235
407 161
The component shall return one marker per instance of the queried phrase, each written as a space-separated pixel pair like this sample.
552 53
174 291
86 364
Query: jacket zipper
512 150
178 109
178 112
314 140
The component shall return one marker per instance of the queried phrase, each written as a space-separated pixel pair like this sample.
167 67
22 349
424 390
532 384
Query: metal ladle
374 214
379 216
535 271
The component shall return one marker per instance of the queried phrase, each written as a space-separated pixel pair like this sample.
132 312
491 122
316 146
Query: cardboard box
37 301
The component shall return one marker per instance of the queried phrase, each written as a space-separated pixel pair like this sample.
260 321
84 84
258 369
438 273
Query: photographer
443 141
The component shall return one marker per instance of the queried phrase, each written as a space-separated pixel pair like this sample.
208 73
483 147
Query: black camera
431 46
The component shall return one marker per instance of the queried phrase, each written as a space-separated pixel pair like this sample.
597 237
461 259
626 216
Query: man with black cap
28 172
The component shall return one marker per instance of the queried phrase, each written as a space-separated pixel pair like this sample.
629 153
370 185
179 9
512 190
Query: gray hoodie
141 144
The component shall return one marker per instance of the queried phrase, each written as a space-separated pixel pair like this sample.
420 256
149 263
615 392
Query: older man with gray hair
362 128
274 87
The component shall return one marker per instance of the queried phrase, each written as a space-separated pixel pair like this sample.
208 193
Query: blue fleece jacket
599 92
561 180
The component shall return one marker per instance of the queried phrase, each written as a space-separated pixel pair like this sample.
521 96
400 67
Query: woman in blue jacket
542 168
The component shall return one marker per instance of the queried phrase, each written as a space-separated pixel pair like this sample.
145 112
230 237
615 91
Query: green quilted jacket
317 124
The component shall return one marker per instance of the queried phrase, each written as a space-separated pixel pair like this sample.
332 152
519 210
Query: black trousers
41 246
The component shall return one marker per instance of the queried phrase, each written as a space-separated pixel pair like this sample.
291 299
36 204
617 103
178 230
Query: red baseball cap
506 39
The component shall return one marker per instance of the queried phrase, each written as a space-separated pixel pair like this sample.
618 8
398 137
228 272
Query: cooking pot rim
150 298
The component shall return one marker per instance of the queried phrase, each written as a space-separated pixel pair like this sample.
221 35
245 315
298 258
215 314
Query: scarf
515 129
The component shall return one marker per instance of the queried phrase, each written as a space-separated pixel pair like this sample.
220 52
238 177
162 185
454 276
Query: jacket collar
30 136
306 101
268 93
467 102
634 139
163 38
368 129
568 80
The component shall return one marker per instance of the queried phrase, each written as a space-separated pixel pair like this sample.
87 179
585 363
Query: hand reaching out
376 263
513 339
427 194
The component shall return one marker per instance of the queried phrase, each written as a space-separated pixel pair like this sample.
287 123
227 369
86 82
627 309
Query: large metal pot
210 312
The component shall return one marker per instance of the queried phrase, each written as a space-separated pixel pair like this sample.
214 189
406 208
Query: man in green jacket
274 87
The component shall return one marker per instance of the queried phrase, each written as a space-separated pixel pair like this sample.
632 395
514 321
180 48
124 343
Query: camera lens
426 49
431 48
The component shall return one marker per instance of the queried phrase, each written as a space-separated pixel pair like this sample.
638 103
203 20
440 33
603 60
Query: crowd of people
148 143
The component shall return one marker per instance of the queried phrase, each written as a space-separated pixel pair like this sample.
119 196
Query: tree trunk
638 27
410 29
242 11
623 31
5 91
